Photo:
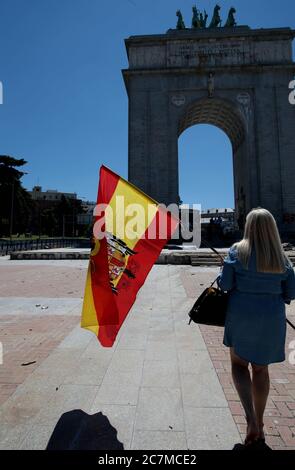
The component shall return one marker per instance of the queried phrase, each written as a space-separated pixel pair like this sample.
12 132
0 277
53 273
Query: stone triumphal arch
234 78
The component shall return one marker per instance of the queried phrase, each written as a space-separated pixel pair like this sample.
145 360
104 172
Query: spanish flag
130 229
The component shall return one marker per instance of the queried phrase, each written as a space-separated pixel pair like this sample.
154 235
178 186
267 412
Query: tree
66 214
16 203
48 222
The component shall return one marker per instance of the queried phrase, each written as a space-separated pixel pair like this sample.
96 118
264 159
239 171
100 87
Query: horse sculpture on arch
199 19
180 22
231 22
216 20
196 22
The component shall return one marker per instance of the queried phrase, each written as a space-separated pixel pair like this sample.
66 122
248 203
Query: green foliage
65 214
28 215
16 203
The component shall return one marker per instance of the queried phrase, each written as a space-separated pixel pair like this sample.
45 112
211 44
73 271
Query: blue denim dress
256 320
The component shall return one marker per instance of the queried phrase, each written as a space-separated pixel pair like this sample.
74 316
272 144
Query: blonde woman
261 280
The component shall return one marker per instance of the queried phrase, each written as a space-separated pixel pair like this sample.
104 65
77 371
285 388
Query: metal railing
9 246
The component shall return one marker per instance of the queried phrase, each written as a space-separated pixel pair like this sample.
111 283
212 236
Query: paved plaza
163 385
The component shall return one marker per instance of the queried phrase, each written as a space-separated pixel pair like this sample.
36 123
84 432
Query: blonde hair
261 232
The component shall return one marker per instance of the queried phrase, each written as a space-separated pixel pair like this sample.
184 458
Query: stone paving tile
125 369
12 436
158 440
110 394
210 428
159 409
37 438
42 280
202 389
121 417
6 390
163 351
39 306
67 398
161 374
28 339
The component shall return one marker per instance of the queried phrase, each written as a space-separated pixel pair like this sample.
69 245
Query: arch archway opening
218 112
206 167
214 178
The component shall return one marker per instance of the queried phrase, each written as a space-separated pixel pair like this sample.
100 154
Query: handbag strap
218 254
214 281
291 324
214 250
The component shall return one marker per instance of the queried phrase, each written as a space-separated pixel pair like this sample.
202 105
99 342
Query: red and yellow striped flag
120 261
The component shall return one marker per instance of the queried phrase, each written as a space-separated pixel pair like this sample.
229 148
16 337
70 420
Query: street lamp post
73 234
11 210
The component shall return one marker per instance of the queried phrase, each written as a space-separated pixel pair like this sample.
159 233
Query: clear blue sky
65 104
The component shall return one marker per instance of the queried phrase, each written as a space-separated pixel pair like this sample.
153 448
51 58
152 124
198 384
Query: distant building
87 217
50 195
227 214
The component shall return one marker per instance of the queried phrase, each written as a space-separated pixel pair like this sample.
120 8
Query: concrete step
204 262
206 259
199 259
173 257
45 255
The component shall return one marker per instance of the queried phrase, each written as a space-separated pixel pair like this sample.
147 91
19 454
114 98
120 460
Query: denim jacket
235 276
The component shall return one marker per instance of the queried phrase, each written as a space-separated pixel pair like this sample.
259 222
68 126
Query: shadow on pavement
259 445
76 430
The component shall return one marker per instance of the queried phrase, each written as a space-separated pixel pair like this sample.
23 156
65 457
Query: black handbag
210 307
